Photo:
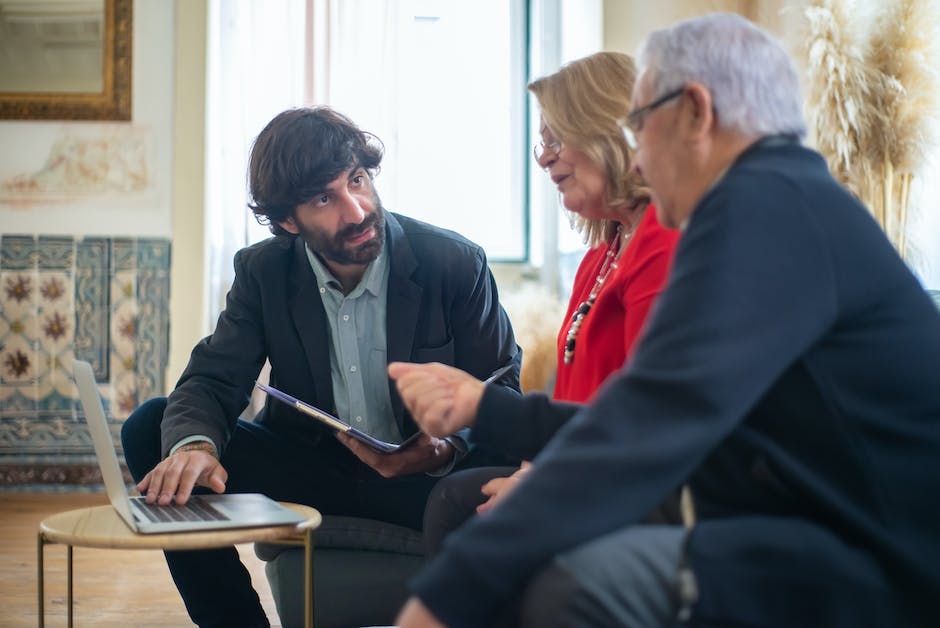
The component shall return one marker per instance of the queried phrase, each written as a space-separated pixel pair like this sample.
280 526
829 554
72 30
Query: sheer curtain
265 57
256 68
355 53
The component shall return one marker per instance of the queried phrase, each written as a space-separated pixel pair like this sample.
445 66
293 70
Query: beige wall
187 293
626 22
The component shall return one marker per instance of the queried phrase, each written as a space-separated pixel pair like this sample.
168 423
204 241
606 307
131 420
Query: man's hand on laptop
425 454
173 479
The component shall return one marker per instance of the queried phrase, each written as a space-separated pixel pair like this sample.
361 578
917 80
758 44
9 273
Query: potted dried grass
871 105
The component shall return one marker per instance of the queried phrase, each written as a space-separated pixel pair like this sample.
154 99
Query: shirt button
345 317
353 369
322 290
359 419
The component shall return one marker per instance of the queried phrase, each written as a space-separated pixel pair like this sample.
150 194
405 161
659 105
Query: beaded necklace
610 263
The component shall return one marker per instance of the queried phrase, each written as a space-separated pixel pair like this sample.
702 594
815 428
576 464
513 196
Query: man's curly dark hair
297 154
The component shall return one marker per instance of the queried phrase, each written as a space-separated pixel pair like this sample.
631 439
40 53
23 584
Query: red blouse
609 332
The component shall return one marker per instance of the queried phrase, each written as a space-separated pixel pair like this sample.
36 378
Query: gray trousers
627 578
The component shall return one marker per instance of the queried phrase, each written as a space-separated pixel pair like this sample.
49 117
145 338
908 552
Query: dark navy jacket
791 375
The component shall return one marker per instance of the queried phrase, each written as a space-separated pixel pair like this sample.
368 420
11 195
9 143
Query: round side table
102 527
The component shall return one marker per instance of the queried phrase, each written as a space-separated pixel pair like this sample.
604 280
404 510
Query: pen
497 374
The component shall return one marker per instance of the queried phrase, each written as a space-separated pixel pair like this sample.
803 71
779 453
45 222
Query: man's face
656 156
345 223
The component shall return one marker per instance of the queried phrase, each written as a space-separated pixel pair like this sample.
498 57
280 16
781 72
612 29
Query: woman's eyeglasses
539 150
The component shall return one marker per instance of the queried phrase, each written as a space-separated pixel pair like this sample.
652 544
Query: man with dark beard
342 289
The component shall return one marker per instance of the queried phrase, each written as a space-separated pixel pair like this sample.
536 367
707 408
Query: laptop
201 512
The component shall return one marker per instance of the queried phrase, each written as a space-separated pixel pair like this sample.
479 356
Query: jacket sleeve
483 336
516 425
215 387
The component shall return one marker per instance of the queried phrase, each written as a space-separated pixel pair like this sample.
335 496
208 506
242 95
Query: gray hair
753 81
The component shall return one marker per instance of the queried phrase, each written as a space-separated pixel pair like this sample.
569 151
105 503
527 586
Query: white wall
27 145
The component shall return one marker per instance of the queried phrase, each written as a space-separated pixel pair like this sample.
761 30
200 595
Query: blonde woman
583 150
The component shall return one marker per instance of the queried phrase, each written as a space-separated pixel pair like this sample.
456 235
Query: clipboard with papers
337 424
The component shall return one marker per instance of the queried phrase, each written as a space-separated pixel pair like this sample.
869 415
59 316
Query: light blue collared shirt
358 336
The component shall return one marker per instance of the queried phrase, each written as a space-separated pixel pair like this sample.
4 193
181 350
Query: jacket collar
404 301
309 317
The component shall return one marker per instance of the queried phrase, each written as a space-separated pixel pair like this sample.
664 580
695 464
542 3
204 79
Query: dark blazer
791 374
443 306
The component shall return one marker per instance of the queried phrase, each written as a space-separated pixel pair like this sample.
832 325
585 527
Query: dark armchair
360 568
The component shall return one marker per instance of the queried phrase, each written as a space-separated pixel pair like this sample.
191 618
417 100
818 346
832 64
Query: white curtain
265 57
356 53
256 68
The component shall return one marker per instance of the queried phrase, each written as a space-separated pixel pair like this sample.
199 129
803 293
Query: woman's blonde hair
583 104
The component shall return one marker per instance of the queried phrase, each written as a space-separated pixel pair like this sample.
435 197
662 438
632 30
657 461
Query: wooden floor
111 587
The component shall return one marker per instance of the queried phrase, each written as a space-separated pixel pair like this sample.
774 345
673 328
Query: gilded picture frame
112 103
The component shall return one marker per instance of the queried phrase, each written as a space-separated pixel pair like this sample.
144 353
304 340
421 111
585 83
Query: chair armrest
355 533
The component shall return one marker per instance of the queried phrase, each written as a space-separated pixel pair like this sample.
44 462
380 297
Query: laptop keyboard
193 510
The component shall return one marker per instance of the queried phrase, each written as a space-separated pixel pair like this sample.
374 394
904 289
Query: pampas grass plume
838 89
872 106
905 55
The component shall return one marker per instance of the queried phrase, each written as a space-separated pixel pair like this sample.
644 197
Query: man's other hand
173 479
498 488
427 453
442 399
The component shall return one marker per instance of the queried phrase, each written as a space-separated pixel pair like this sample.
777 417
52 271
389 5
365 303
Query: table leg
70 585
40 544
308 579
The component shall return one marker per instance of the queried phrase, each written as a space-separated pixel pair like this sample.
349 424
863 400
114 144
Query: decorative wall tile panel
98 299
92 303
56 253
123 345
153 317
17 252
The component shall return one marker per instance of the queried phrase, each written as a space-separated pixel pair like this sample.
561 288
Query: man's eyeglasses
539 149
636 117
